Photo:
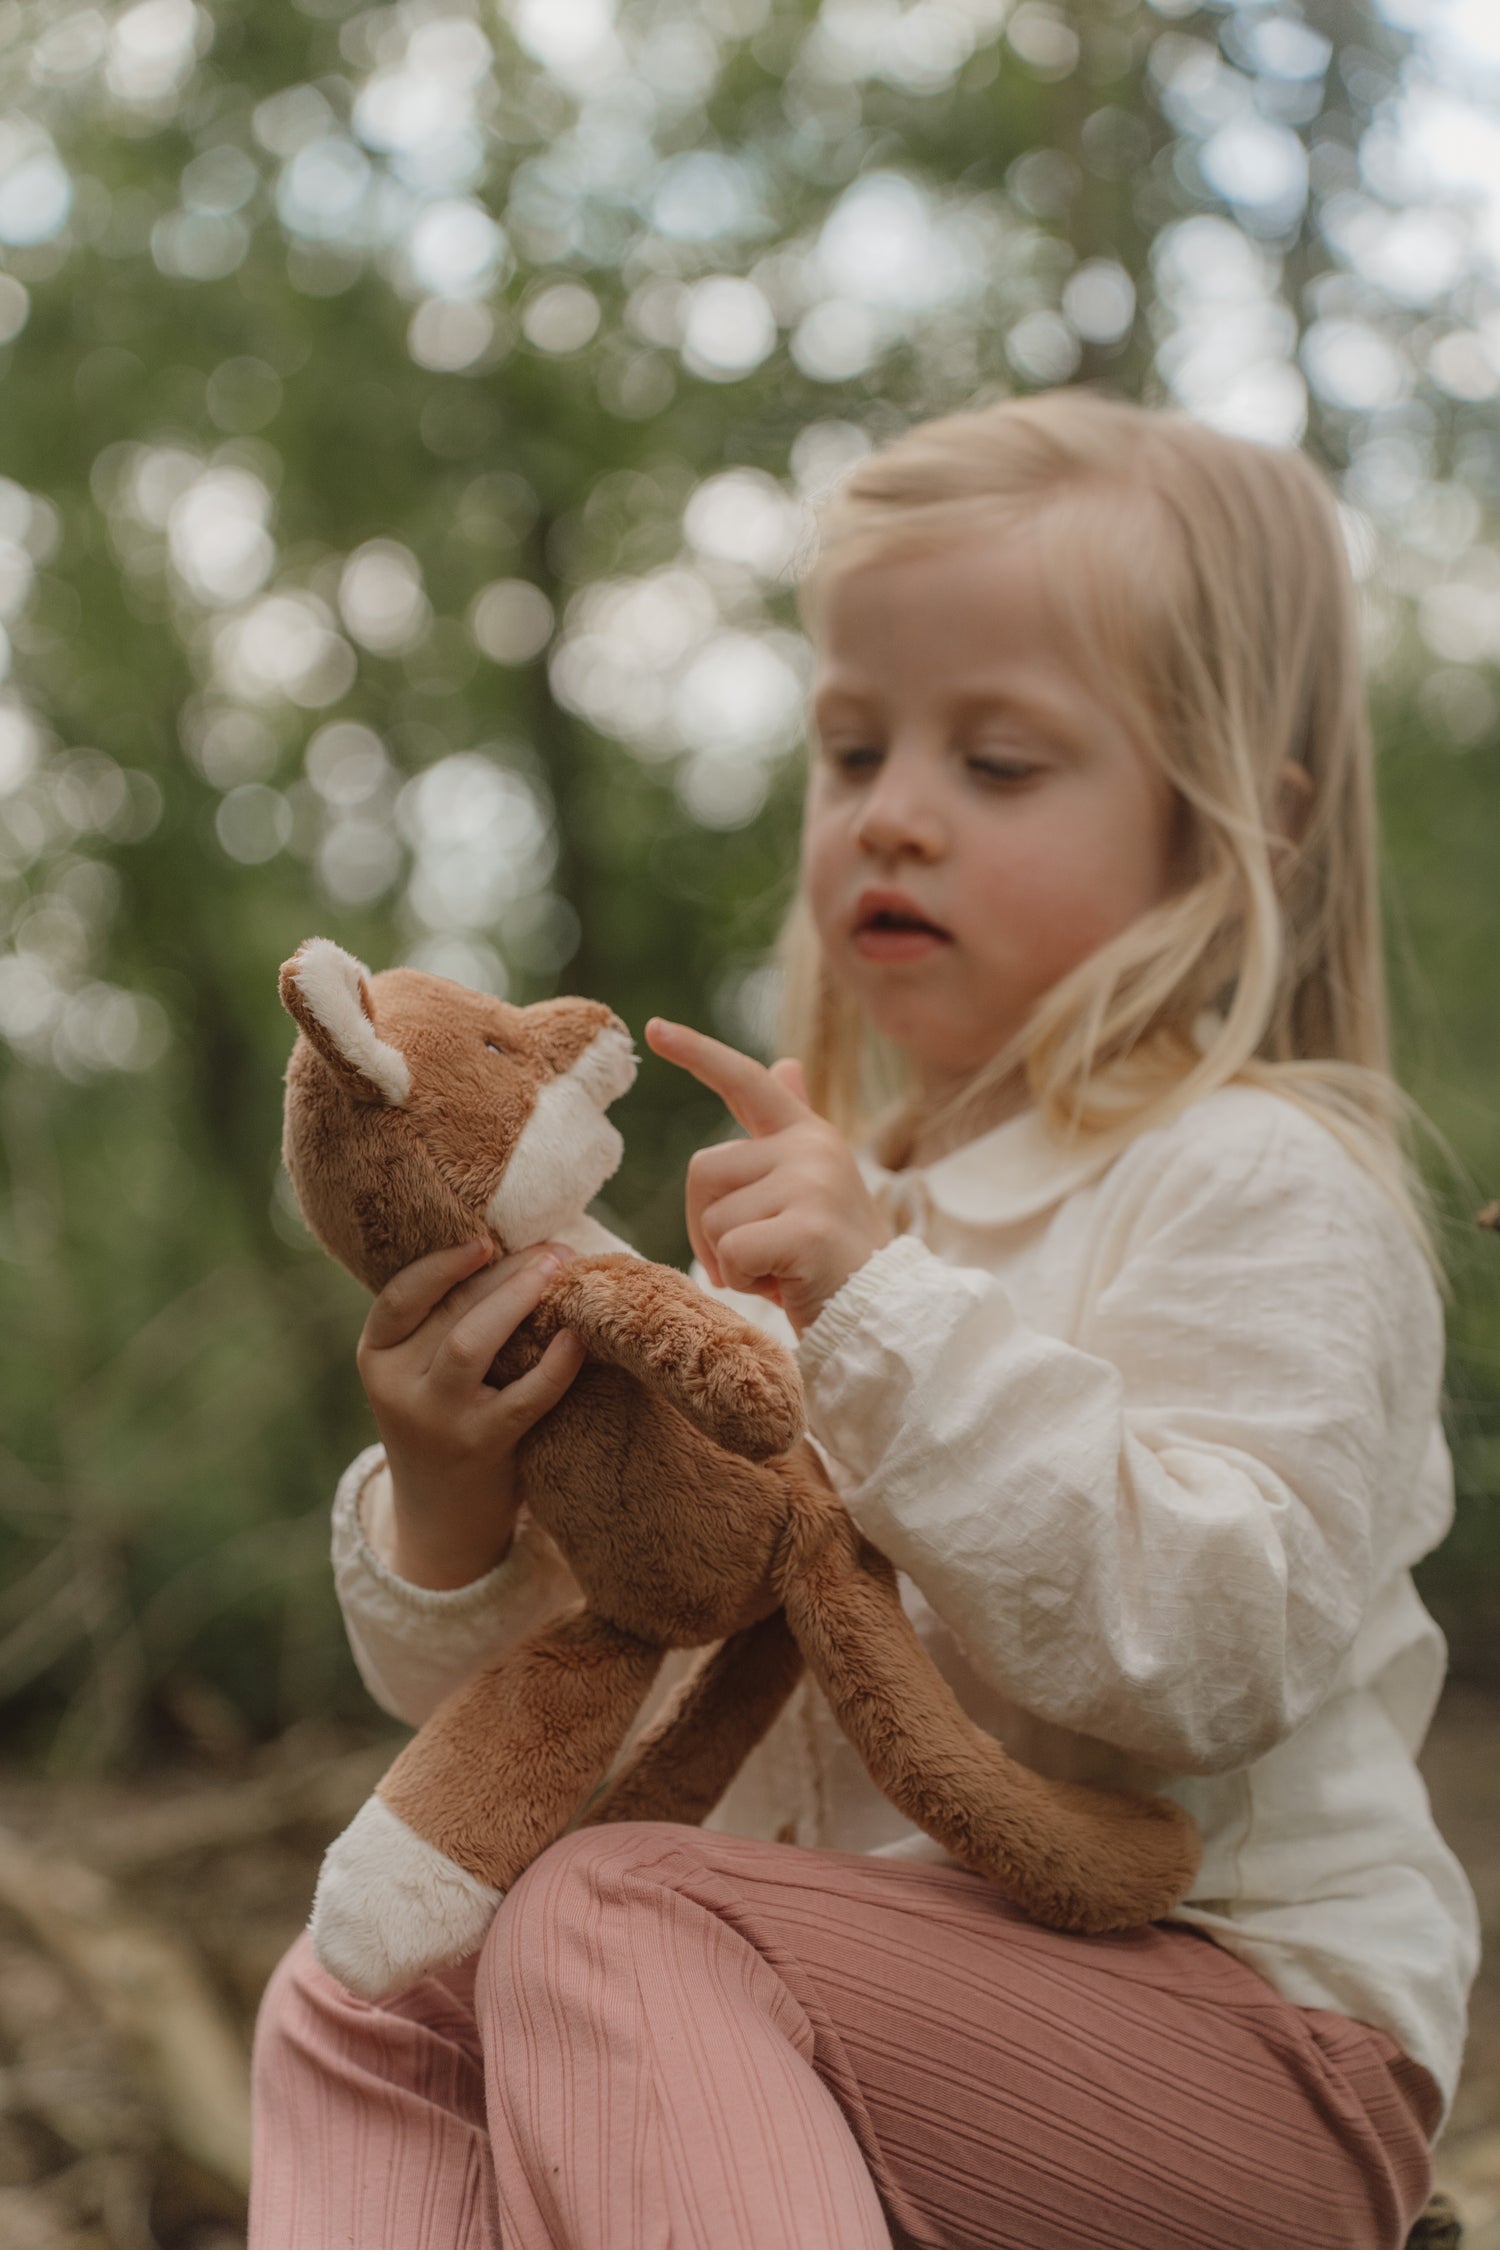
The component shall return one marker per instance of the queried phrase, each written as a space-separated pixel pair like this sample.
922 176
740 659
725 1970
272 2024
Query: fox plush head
458 1110
670 1478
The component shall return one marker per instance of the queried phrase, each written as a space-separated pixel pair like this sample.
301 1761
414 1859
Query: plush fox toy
671 1477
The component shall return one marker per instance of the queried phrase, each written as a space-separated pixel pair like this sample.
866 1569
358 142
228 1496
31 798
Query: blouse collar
1010 1172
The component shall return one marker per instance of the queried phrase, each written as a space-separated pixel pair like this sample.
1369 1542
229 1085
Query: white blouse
1154 1443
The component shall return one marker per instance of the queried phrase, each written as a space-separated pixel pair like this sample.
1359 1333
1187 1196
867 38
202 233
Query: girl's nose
899 816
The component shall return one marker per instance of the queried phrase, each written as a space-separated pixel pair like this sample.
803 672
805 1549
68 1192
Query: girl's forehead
1065 550
981 606
1058 595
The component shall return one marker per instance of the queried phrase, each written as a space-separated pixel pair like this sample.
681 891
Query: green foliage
360 321
1442 814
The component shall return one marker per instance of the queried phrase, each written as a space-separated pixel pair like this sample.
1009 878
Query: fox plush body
674 1479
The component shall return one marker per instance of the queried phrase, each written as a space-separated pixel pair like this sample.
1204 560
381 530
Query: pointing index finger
756 1100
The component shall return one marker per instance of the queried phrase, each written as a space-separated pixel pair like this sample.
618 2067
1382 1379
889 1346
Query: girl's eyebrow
832 697
835 700
1012 702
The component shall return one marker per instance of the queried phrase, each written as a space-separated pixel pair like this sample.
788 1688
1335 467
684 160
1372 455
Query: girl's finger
472 1291
750 1256
753 1098
535 1393
746 1207
789 1072
703 1249
713 1174
725 1166
409 1296
463 1353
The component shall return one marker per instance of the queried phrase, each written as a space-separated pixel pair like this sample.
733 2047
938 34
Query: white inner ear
567 1148
329 980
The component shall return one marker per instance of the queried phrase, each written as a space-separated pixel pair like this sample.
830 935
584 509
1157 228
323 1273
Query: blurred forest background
412 415
412 418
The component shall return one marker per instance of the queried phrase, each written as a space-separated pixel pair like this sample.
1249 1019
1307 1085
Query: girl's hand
450 1437
784 1215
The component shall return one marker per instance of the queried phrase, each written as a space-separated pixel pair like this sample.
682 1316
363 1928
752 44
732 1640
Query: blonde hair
1206 577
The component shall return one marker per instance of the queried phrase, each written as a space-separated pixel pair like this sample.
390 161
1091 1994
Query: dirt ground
138 1925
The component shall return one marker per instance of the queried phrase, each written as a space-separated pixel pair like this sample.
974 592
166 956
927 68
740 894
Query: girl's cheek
821 878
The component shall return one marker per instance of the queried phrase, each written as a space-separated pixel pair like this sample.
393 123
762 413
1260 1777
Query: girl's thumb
789 1073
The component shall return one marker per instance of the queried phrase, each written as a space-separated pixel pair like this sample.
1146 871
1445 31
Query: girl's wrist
424 1557
856 1256
439 1568
441 1541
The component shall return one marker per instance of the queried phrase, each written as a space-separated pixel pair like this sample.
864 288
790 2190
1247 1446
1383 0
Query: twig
325 1797
35 1588
72 1611
151 1990
24 1496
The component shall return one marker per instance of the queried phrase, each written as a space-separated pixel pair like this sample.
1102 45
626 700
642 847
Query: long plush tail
1071 1857
682 1766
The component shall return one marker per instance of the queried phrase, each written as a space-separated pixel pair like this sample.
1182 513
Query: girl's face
978 820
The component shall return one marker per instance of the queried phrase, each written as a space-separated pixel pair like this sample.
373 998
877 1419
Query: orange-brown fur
672 1478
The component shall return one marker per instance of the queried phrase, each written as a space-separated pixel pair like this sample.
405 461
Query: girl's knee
299 1995
309 2028
292 1984
304 2009
598 1860
288 2023
592 1872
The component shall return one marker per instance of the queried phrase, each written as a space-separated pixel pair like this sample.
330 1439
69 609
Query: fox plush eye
494 1047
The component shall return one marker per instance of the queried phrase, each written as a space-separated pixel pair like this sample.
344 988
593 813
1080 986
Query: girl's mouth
896 933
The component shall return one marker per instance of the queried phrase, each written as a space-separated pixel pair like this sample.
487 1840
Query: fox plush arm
724 1375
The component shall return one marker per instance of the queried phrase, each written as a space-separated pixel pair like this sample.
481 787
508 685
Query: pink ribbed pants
676 2040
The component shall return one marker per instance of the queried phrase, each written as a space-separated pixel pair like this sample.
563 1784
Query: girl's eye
856 758
1004 769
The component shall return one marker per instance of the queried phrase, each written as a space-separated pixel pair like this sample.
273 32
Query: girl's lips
889 925
875 943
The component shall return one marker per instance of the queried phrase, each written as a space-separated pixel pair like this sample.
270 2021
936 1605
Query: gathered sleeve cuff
414 1644
1165 1531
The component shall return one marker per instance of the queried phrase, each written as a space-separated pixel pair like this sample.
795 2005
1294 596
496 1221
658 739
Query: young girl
1120 1337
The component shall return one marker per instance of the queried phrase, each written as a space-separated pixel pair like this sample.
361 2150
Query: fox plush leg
1073 1858
493 1777
682 1767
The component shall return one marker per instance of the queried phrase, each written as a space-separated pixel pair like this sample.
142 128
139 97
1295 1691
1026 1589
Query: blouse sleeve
412 1644
1164 1533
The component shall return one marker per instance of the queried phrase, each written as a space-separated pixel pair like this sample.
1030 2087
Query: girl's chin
940 1059
906 1004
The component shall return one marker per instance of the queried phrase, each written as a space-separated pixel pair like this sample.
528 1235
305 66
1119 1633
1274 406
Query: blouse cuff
371 1591
845 1310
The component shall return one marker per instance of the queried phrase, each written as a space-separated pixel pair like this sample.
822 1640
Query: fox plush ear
328 992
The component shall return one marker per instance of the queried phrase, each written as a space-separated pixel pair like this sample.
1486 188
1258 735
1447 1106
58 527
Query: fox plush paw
740 1391
390 1907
